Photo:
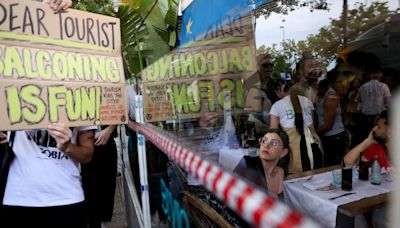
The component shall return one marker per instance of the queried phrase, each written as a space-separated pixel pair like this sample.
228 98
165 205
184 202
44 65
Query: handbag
313 149
6 157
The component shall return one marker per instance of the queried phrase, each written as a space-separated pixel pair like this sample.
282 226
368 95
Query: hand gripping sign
58 67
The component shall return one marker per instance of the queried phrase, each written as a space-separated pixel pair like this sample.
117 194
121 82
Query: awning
382 40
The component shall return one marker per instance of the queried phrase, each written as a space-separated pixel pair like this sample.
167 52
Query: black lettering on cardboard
90 24
67 31
40 15
80 35
61 28
98 31
27 20
12 17
105 44
112 32
4 14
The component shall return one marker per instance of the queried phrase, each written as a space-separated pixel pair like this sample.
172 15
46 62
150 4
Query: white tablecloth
317 205
230 158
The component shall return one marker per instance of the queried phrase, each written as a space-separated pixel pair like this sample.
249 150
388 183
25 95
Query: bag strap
5 165
11 141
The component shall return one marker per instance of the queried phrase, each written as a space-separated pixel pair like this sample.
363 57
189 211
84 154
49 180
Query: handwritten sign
196 79
59 67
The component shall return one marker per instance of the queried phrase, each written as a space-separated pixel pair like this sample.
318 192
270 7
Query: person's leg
45 217
330 151
73 215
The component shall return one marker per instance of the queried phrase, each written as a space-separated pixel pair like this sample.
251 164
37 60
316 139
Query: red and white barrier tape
252 204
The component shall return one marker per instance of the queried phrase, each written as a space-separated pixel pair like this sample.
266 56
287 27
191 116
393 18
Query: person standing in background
330 124
353 114
299 126
307 76
99 177
374 98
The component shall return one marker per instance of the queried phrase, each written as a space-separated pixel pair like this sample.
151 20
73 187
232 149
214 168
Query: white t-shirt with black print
285 111
41 175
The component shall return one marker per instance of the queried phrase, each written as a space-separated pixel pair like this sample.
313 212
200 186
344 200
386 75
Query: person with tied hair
305 149
268 170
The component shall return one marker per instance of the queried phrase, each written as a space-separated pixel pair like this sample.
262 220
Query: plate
328 188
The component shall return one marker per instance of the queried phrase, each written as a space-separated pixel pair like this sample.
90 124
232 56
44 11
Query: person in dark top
99 177
269 168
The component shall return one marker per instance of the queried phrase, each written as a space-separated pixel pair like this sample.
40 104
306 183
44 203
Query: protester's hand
61 133
59 5
102 137
209 119
3 138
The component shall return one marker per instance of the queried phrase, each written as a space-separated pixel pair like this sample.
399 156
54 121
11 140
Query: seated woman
269 168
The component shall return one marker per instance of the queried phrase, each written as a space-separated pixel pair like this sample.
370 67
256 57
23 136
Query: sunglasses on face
274 143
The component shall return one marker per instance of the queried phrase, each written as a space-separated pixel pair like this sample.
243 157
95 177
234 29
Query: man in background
374 97
308 71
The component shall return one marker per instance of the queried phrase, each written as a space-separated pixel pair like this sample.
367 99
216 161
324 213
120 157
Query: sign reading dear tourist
59 67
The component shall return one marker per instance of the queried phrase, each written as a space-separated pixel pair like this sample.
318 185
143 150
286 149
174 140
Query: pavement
118 219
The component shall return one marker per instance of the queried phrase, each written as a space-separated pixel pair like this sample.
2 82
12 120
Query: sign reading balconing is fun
195 78
59 67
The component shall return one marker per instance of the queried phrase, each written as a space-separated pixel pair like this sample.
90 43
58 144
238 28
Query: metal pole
345 9
144 186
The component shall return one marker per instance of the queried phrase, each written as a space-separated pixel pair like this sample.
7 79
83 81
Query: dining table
314 193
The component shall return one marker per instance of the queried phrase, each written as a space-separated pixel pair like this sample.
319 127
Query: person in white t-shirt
44 184
302 136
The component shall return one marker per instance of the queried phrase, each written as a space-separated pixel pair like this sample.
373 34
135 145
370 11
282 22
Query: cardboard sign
59 67
194 80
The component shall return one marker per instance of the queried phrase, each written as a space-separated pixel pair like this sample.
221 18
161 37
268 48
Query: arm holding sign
81 152
104 135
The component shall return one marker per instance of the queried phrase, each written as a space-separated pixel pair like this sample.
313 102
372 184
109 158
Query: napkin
316 184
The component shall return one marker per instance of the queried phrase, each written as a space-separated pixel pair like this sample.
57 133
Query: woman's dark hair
323 84
298 111
280 84
332 75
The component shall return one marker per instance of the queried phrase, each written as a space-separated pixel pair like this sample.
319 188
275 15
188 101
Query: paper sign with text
59 67
193 80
